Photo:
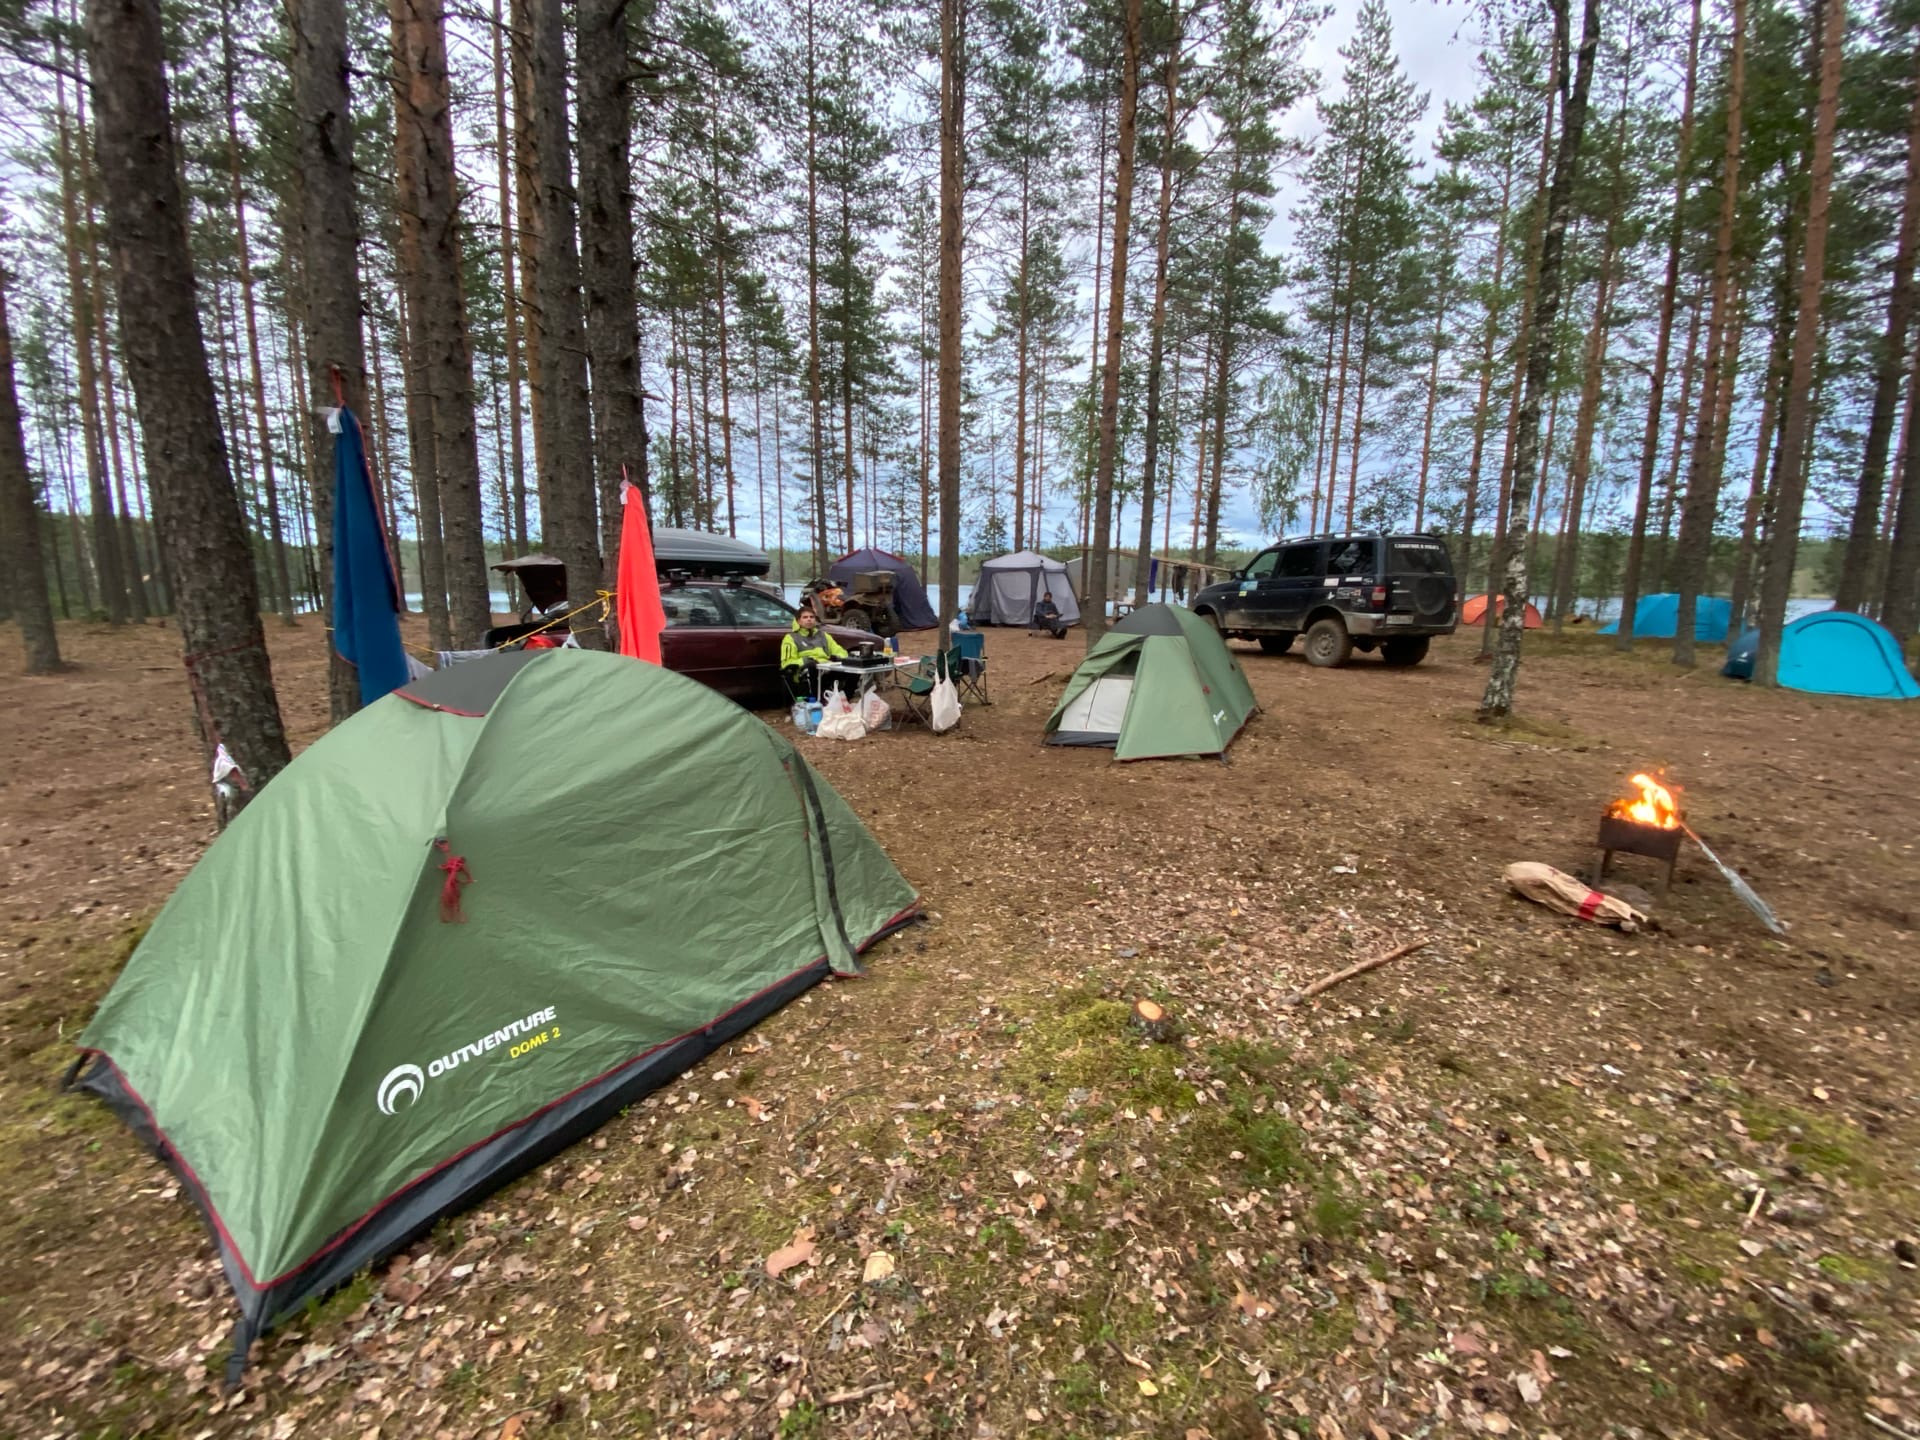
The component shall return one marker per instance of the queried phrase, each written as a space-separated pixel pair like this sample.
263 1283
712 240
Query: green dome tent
1161 682
461 931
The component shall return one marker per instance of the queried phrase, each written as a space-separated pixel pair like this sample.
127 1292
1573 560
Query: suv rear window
1419 557
1351 557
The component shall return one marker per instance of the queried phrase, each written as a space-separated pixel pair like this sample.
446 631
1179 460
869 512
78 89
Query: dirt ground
1535 1179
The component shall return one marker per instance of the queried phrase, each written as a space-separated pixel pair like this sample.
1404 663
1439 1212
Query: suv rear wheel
1328 643
1407 650
1277 644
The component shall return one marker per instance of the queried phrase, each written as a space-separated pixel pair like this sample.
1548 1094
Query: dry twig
1327 982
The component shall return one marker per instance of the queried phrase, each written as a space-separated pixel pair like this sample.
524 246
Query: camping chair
968 662
916 687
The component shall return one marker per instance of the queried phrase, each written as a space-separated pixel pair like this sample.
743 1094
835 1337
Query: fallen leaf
1807 1418
1252 1306
879 1267
1147 1387
1467 1343
511 1430
1496 1422
1528 1385
799 1251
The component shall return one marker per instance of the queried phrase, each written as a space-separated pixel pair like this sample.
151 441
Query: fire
1655 806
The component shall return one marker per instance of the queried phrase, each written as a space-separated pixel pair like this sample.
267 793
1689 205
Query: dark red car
728 636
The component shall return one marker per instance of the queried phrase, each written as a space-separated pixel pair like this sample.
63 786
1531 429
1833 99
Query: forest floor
1536 1179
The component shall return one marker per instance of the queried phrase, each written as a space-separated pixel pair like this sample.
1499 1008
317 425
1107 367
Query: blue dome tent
1657 617
1832 652
910 605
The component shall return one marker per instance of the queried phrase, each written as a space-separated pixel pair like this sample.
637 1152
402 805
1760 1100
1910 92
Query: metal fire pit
1619 836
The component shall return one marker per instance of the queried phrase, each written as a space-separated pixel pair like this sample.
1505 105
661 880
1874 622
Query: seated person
802 649
1046 616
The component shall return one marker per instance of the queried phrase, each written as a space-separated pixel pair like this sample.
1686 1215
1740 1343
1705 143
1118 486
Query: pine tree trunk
108 565
276 532
425 110
216 595
526 167
1489 338
1359 411
606 261
816 400
1703 477
1660 567
1020 377
1657 382
1566 559
21 561
953 98
1763 449
329 230
1156 330
567 484
1900 597
1497 702
509 297
1441 302
139 607
1796 427
1094 616
1856 570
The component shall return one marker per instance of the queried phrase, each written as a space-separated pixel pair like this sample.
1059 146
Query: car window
752 608
691 607
1419 557
1262 565
1300 562
1351 557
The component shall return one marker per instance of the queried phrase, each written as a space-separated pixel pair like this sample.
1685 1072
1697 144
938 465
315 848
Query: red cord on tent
458 875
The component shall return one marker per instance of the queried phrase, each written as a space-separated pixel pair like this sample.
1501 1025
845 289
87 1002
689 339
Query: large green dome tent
460 931
1161 682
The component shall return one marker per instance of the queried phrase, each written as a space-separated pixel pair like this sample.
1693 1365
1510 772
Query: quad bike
867 605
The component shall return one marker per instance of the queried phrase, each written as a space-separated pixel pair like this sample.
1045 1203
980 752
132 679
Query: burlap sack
1558 890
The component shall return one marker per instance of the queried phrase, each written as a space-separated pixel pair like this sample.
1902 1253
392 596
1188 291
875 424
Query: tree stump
1151 1019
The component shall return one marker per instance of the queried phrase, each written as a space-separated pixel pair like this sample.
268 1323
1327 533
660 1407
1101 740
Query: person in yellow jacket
802 649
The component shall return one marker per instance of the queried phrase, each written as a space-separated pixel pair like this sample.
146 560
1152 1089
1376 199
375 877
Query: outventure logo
407 1080
406 1083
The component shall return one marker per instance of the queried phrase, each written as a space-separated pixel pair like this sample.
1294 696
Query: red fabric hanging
638 607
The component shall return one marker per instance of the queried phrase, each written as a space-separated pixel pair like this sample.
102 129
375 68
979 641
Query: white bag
875 712
840 720
945 702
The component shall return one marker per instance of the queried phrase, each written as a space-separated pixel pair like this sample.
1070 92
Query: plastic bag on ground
840 720
875 712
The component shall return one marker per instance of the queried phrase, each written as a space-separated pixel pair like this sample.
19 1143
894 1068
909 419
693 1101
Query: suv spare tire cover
1432 594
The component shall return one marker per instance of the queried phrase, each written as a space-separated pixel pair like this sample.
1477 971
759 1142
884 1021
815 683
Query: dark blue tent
910 605
1832 652
1656 617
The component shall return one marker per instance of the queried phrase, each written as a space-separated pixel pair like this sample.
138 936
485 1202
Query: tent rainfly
1161 682
910 604
463 929
1657 617
1011 585
1832 652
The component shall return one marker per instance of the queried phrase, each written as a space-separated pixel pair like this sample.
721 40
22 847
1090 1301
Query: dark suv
1345 592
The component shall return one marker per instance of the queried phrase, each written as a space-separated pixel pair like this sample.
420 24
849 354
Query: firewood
1327 982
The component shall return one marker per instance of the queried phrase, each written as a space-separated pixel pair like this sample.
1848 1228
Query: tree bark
953 99
606 261
1703 476
1657 385
329 230
20 557
1900 597
1566 558
509 298
1856 570
1157 345
1497 702
109 567
567 486
1796 427
276 536
816 400
526 166
1489 338
1094 614
216 595
426 112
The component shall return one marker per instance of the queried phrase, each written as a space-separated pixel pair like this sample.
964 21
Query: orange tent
1475 609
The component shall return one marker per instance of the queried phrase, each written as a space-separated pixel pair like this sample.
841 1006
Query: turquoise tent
1657 617
1833 652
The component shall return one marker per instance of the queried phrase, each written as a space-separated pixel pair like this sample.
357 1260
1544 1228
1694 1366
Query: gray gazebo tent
1011 585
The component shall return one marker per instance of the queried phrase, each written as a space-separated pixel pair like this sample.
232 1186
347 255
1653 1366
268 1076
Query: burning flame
1655 806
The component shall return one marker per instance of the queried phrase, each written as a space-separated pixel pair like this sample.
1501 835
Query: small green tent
459 932
1161 682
